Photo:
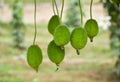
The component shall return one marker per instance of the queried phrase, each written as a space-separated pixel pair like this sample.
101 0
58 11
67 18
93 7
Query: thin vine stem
91 9
35 22
62 9
81 12
56 7
53 7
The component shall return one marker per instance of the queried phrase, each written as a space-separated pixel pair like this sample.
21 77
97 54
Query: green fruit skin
34 56
78 38
61 35
53 23
55 53
91 28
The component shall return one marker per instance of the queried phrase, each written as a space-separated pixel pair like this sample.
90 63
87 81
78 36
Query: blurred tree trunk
113 10
17 24
73 14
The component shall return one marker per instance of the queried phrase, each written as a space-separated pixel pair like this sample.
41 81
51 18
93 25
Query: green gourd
61 35
53 23
91 28
34 56
55 53
78 38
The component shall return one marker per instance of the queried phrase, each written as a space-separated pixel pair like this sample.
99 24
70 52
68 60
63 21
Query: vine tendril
62 9
53 7
81 12
91 9
56 7
35 22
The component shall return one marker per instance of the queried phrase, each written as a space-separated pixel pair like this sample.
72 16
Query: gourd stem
36 70
81 12
56 7
35 22
57 67
53 7
91 9
91 39
78 52
62 9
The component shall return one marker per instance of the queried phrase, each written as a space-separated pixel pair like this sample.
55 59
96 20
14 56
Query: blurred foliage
42 1
17 23
27 1
73 14
113 10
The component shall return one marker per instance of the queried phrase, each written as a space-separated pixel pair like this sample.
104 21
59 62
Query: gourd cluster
61 37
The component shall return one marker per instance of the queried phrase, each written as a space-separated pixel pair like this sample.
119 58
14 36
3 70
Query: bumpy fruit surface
53 23
34 56
61 35
78 38
55 53
91 28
